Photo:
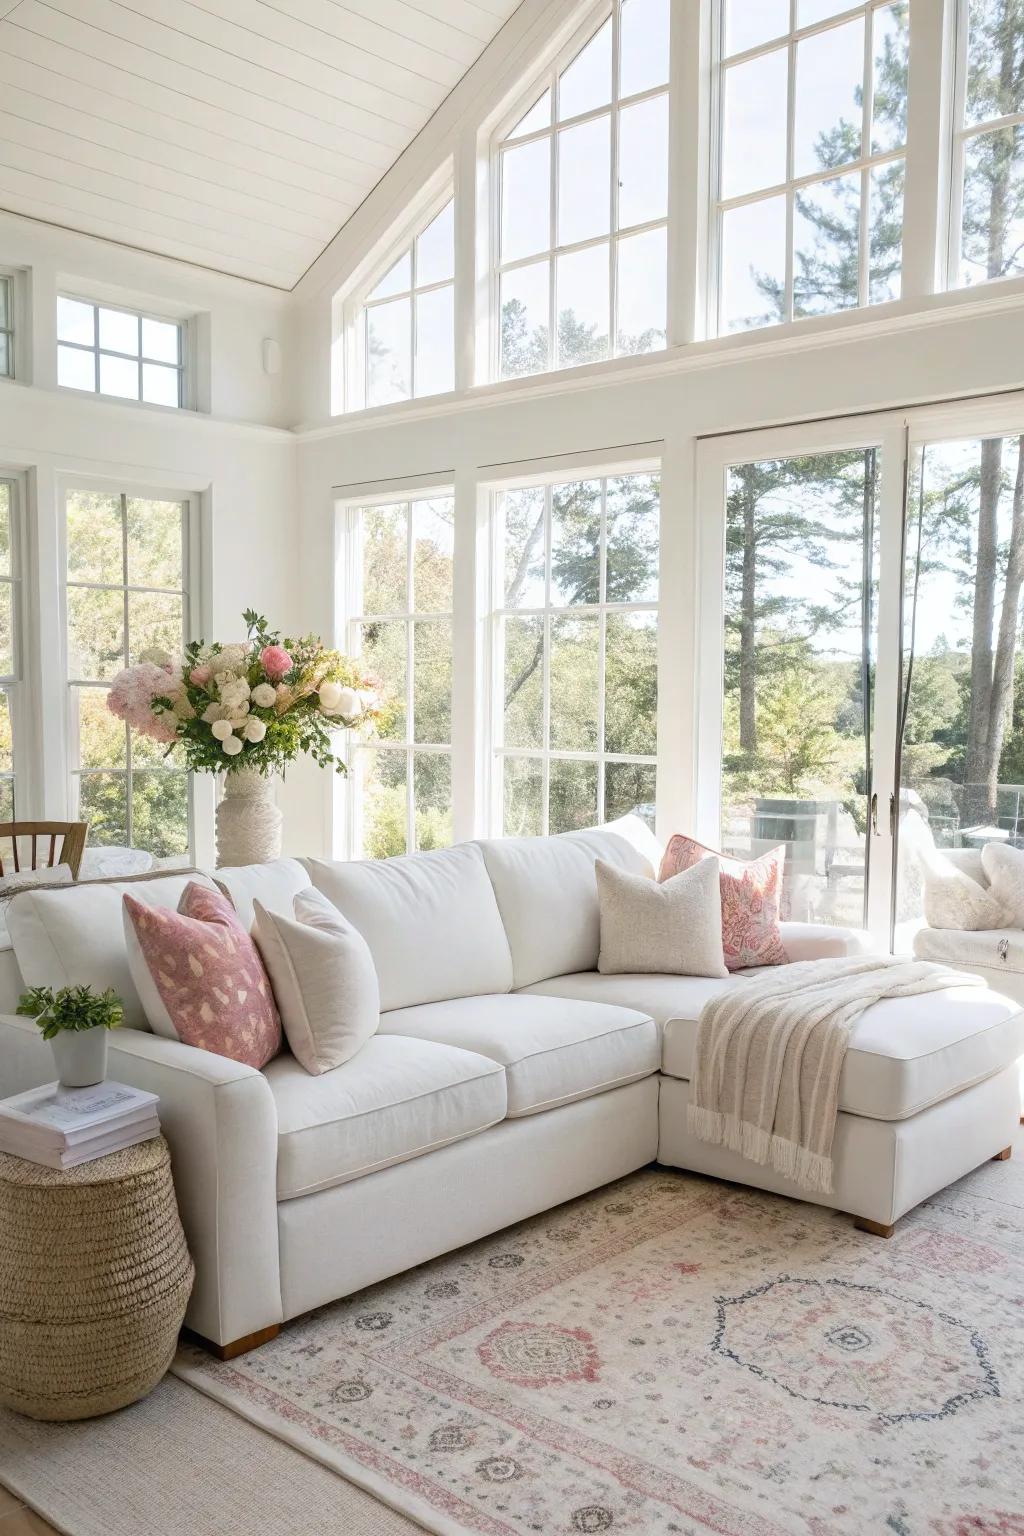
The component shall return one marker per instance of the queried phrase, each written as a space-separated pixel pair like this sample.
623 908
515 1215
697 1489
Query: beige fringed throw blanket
770 1053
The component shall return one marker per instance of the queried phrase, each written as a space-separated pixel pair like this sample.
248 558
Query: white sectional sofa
507 1074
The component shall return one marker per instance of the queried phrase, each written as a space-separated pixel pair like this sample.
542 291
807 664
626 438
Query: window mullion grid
129 829
410 661
545 631
602 627
867 114
553 172
412 344
790 159
614 122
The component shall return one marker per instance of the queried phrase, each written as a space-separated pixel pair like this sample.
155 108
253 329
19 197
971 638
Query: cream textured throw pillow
1005 870
952 900
674 926
323 978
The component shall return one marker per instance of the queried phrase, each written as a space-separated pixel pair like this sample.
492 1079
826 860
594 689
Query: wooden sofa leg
876 1228
1004 1155
237 1346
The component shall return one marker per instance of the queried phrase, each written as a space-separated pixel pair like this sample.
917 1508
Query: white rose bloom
265 696
349 703
231 746
221 729
255 730
230 657
329 694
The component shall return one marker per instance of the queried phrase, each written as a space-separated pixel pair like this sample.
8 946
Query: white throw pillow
22 879
1004 867
953 900
674 926
323 977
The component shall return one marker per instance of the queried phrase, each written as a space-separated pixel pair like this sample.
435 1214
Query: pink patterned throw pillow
200 976
751 893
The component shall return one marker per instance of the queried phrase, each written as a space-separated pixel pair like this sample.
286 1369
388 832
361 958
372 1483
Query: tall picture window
399 565
126 597
9 647
405 326
575 700
987 215
582 197
811 158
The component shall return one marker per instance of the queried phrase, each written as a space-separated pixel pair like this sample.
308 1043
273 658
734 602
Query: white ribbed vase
248 820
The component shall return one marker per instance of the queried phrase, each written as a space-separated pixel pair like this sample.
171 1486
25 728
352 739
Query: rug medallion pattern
671 1356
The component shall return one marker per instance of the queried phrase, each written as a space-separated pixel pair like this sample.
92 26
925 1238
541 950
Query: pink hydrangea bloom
200 675
131 698
275 661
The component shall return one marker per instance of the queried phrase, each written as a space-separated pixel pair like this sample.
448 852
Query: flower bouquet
247 710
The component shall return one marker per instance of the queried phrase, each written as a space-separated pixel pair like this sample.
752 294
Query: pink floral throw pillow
751 892
200 976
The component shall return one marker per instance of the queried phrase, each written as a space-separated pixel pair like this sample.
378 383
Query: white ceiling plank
178 30
146 98
221 232
363 50
68 206
63 142
394 18
476 19
232 85
57 102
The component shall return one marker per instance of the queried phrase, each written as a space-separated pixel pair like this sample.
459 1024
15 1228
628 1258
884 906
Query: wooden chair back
43 837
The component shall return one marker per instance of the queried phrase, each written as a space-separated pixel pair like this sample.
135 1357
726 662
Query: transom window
987 217
126 596
811 163
583 202
406 330
9 648
119 352
6 328
400 606
575 652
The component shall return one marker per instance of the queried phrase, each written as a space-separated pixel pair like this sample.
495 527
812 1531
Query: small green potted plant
75 1020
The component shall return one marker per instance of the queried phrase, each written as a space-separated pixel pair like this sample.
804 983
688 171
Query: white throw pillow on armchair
952 900
323 977
1004 867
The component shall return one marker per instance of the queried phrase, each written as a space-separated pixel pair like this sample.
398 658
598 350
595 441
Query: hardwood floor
16 1520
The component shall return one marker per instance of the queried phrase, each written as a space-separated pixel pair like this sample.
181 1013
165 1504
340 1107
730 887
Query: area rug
674 1355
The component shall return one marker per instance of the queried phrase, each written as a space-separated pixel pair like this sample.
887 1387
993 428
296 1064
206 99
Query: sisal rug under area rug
674 1355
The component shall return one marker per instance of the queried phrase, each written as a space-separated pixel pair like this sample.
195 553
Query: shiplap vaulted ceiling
236 134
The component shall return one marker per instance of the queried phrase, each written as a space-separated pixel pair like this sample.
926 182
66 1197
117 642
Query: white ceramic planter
81 1056
248 820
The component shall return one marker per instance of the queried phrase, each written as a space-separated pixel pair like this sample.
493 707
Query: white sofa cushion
905 1053
553 1050
324 980
273 885
394 1100
430 920
1000 949
1004 869
547 892
75 937
662 997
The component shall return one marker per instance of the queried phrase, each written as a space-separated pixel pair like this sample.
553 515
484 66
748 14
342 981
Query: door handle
874 815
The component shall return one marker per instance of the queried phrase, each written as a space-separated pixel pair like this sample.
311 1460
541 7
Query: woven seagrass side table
94 1280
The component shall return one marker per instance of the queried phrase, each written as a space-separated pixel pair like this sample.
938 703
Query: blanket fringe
810 1169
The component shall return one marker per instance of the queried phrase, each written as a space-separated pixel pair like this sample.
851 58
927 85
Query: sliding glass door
790 680
860 653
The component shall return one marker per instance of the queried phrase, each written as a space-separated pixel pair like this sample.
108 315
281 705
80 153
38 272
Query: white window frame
357 302
962 133
865 164
7 281
12 684
493 745
191 602
547 79
184 367
349 580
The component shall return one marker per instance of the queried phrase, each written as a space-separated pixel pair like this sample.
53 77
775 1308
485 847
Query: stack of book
63 1127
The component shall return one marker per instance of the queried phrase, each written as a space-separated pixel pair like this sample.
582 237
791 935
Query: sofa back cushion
75 936
430 919
274 885
547 893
